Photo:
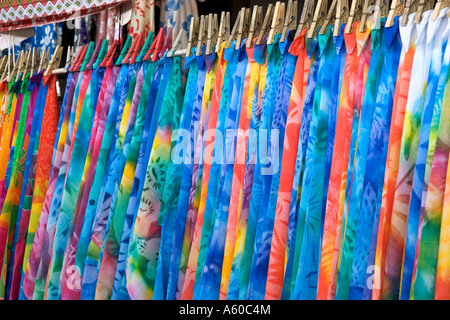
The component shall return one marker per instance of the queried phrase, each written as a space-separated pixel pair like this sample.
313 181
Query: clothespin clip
16 67
3 62
355 15
148 42
137 48
328 18
291 19
202 34
193 35
423 5
81 58
380 11
94 55
167 45
108 59
342 12
410 6
213 34
265 28
224 30
233 32
368 5
255 24
176 45
36 59
56 60
130 51
306 17
75 59
156 46
277 21
244 26
8 64
88 56
319 16
397 7
22 65
124 51
29 62
9 67
440 4
102 54
69 57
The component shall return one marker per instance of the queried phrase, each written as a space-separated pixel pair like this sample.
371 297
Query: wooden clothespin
381 10
16 67
355 15
421 8
306 17
22 65
233 32
440 4
244 26
267 22
46 60
56 60
29 61
176 45
329 17
368 5
8 65
36 59
277 21
410 6
397 7
69 57
211 39
290 21
193 35
3 62
342 13
224 29
255 24
319 16
202 35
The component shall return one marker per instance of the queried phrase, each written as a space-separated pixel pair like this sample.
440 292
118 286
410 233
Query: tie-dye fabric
182 232
15 268
408 154
144 245
427 259
71 283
